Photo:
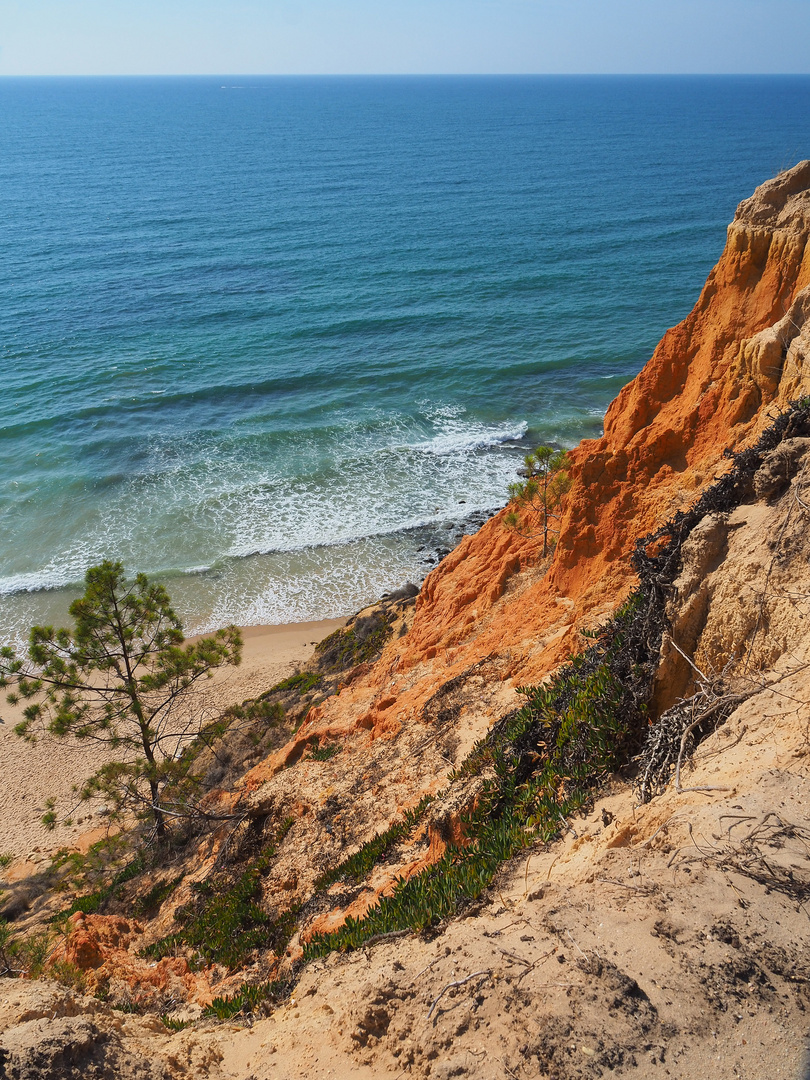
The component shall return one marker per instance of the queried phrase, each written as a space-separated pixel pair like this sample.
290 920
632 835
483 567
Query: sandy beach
51 768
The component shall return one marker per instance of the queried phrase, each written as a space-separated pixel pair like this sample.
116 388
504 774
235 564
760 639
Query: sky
297 37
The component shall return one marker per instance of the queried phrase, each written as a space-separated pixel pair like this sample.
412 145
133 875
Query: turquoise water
273 340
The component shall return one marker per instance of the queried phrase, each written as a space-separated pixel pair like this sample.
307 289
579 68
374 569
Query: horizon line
418 75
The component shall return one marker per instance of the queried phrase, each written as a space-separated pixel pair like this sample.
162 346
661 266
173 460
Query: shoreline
50 768
269 590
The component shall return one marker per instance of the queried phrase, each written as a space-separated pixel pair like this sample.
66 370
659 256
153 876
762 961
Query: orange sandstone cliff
711 384
493 616
705 388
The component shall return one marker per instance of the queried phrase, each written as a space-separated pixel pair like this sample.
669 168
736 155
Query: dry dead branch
459 982
774 852
673 738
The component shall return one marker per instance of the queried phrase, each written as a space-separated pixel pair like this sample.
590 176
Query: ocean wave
40 581
465 439
438 530
445 522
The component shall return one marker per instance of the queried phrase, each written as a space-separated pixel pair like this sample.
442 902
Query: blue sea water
273 339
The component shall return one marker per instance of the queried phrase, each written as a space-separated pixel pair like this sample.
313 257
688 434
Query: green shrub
225 923
248 997
9 950
172 1024
227 927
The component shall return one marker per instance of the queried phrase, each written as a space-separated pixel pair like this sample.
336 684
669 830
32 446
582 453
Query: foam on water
333 534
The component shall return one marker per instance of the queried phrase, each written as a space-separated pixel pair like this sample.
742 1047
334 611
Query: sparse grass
49 818
151 902
302 681
6 859
32 950
325 753
260 710
284 828
9 948
94 901
69 975
362 640
135 1007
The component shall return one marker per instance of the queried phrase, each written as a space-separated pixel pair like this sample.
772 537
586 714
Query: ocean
278 342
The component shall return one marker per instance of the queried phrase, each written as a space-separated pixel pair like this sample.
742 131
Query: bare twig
621 884
386 937
530 968
721 702
689 660
736 819
458 982
526 876
427 967
571 939
515 957
694 841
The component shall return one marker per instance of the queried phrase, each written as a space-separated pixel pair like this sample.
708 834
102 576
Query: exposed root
774 852
459 982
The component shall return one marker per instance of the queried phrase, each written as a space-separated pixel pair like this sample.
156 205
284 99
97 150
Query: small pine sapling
535 502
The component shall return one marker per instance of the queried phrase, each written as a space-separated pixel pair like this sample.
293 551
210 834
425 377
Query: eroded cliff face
707 387
710 385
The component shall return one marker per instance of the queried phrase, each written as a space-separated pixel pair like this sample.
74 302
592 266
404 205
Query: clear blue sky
100 37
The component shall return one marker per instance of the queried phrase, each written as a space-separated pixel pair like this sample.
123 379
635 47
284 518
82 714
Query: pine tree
124 678
536 501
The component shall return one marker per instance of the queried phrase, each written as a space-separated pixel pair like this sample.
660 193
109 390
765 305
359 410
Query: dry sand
51 768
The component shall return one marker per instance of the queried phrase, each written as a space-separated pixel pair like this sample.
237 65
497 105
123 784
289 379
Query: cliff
710 386
706 388
631 938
